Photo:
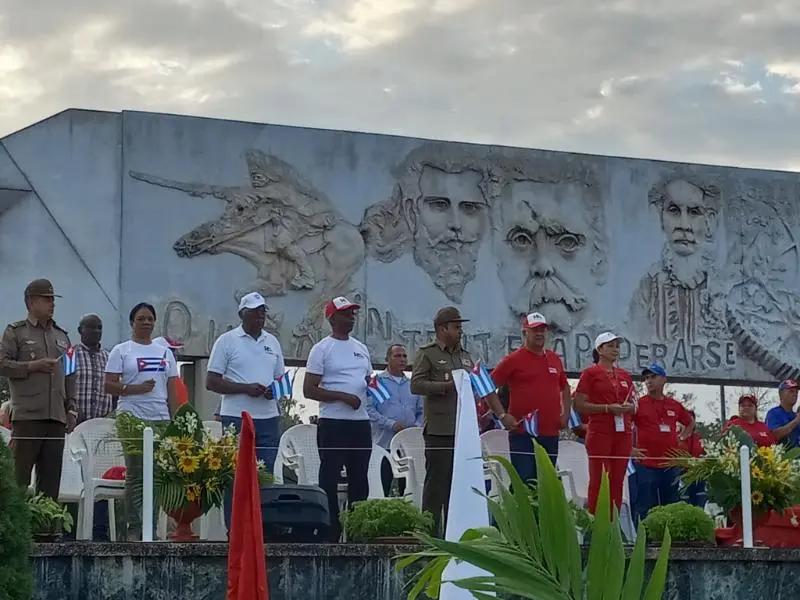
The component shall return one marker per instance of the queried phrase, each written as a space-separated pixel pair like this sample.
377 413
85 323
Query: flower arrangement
192 468
774 473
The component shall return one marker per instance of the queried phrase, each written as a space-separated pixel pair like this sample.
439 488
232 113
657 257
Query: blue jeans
522 456
268 436
695 494
655 487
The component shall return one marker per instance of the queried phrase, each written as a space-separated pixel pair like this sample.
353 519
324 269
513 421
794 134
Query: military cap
448 314
40 287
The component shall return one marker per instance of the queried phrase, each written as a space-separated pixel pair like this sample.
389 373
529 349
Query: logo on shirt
268 350
553 370
670 413
623 383
358 355
151 365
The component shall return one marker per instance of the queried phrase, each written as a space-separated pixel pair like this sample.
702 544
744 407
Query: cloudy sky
712 80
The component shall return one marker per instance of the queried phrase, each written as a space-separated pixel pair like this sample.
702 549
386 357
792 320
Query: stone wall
98 571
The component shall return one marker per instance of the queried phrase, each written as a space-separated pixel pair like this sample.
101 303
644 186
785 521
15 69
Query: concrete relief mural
698 267
763 311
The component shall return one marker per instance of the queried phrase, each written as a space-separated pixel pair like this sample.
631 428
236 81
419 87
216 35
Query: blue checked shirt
402 406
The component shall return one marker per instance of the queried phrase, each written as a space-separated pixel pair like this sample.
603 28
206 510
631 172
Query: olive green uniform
40 402
432 378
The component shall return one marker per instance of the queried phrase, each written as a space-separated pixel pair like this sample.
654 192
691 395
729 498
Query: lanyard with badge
619 420
661 411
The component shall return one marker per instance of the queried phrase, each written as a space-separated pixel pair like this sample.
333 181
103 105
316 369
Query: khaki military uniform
432 378
40 402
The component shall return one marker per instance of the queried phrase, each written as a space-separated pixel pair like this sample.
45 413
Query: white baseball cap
534 320
252 300
604 338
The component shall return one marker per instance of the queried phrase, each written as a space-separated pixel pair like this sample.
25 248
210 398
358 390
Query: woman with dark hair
605 395
143 375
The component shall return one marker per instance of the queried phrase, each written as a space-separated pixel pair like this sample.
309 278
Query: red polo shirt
534 383
657 428
693 445
758 431
602 387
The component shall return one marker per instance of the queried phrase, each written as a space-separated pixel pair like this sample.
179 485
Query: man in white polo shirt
337 372
243 364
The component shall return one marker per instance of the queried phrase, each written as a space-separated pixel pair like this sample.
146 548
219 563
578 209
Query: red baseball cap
339 304
788 384
748 398
534 320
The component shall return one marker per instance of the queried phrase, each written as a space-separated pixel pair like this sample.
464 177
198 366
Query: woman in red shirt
695 494
605 394
749 423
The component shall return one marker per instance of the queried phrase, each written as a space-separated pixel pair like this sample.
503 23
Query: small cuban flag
574 419
69 361
377 391
481 380
631 467
531 424
282 386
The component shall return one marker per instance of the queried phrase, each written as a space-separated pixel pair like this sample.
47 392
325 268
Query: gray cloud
684 80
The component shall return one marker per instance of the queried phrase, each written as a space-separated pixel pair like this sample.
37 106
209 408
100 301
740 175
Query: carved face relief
448 222
542 240
685 218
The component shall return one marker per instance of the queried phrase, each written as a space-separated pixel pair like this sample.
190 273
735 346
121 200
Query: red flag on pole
247 562
181 391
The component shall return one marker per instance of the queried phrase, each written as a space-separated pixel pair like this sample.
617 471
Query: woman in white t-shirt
143 375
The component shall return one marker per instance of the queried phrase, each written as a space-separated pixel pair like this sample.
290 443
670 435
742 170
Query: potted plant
774 475
192 470
535 554
16 567
688 525
49 519
385 520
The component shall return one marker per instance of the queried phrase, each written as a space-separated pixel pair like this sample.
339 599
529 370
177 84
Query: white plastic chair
93 443
5 435
375 469
495 443
300 453
407 451
573 467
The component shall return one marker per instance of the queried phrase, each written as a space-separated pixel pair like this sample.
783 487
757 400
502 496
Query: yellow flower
211 484
188 463
214 463
767 453
757 473
192 492
184 444
758 497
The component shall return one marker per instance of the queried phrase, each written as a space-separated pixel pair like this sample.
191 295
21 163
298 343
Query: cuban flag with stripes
377 391
282 386
530 423
481 381
631 467
152 365
574 419
69 361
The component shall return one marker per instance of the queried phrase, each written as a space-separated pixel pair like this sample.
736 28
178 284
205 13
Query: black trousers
438 478
348 444
39 444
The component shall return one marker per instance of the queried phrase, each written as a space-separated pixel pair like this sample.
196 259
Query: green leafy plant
535 554
583 518
686 523
16 567
48 516
384 517
774 473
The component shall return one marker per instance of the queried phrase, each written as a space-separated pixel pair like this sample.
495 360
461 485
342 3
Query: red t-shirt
693 445
657 428
758 431
535 382
602 387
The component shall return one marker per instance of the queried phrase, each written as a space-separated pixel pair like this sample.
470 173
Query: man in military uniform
432 379
42 396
